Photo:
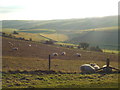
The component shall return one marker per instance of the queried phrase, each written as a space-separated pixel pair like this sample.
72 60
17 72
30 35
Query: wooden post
49 62
108 62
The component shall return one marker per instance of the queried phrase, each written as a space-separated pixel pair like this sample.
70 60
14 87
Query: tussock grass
23 63
19 80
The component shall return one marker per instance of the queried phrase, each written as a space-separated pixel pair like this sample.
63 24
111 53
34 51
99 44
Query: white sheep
87 68
55 54
77 54
63 53
15 48
10 43
29 45
95 66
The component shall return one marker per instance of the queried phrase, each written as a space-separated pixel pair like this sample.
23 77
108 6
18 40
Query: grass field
56 36
35 37
22 72
28 67
111 51
62 43
9 30
46 31
31 64
40 80
99 29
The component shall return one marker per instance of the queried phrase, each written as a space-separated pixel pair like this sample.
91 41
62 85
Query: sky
56 9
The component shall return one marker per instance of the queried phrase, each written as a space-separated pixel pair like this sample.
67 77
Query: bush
49 42
14 32
30 39
96 49
84 45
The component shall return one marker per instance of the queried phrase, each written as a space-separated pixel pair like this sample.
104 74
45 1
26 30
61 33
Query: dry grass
35 37
55 36
22 63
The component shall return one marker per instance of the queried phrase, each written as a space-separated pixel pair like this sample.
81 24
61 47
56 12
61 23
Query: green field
32 71
41 80
111 51
21 73
46 31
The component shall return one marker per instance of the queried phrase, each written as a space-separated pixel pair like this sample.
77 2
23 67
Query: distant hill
104 38
102 31
65 24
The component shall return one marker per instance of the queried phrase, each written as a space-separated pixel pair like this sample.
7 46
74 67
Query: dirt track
42 51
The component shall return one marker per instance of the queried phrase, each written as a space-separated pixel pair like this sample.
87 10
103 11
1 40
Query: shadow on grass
41 72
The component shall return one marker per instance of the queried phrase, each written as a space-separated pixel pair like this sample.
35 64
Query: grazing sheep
79 55
29 45
63 53
55 54
95 66
10 43
87 68
15 48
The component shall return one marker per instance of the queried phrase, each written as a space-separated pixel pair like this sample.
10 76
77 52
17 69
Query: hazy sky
56 9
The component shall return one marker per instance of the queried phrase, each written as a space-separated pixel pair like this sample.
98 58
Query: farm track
42 51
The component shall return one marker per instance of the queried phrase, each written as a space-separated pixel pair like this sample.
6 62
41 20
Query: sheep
87 68
29 45
10 43
55 54
95 66
77 54
63 53
15 48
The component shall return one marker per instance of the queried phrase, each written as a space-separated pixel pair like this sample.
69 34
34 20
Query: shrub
49 42
14 32
30 39
96 49
84 45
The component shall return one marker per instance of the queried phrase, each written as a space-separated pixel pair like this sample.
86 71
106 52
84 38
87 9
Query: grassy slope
56 36
35 37
97 31
66 24
104 37
32 77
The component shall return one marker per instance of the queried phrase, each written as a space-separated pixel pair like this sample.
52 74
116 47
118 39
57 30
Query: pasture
57 80
19 72
28 67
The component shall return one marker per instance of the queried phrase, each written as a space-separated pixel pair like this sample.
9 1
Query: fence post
49 62
108 62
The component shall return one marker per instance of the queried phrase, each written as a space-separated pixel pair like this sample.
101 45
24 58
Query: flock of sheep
85 68
15 48
54 54
64 53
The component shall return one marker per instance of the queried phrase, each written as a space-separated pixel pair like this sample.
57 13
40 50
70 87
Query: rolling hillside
104 37
65 24
96 31
42 51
